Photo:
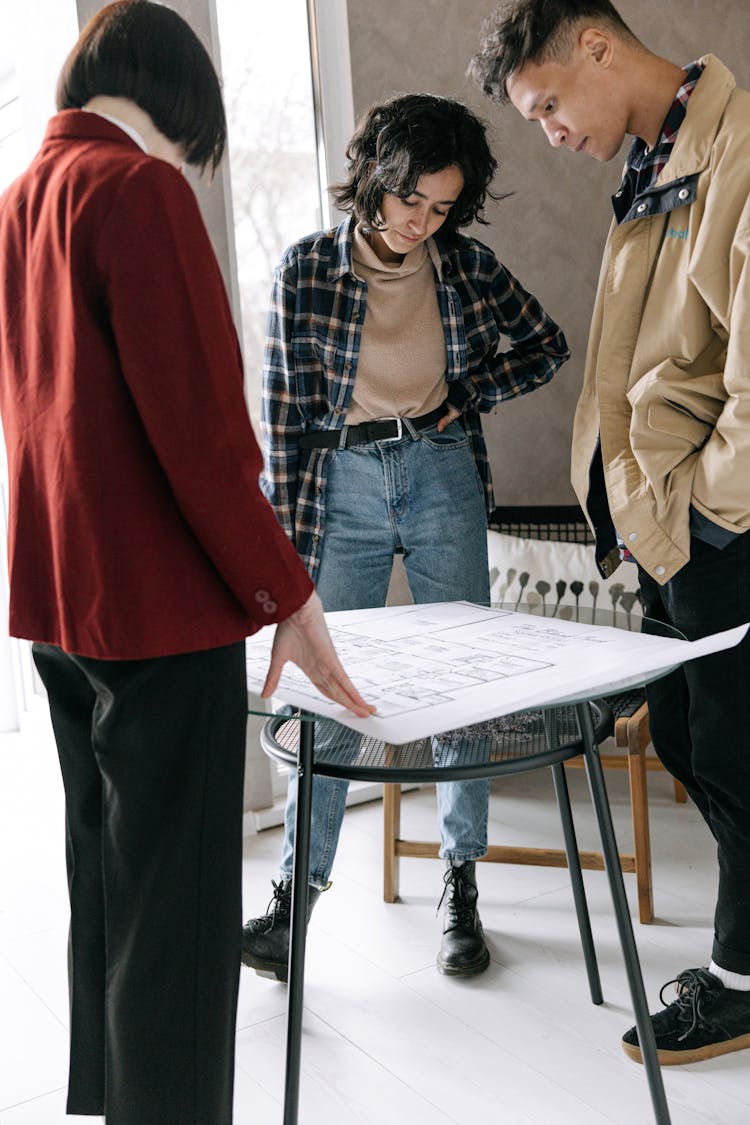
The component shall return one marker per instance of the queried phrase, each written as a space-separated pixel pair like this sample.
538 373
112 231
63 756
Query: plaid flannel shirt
312 344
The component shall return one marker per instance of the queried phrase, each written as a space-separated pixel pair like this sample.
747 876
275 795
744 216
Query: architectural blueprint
432 668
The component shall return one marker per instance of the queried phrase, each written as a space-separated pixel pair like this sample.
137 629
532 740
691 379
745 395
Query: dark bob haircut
146 52
537 31
397 142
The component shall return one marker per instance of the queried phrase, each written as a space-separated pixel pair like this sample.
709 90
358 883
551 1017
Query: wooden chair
631 735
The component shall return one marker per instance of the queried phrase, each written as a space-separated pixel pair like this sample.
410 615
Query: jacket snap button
660 570
683 193
633 536
641 208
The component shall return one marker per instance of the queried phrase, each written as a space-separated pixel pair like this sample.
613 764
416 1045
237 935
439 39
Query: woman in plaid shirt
382 351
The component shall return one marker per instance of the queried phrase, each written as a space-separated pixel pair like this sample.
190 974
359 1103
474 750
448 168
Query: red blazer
137 527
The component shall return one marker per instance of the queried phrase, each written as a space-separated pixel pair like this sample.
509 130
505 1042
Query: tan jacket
667 377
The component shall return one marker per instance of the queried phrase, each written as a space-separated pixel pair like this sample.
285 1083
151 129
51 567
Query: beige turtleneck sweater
402 356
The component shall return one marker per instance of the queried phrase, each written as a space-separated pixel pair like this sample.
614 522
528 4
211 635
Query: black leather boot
463 952
265 940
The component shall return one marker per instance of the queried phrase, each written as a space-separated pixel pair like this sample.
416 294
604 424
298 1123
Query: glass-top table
531 738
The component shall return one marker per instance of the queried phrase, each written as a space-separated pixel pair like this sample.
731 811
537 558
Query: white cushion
545 563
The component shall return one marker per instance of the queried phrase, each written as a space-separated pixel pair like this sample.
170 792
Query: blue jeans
422 495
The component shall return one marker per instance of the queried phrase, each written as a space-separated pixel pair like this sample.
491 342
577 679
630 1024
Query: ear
596 44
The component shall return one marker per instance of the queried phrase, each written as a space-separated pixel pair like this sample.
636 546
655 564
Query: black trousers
700 722
152 758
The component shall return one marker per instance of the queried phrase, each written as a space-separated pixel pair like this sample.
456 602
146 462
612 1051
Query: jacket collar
677 183
692 148
78 125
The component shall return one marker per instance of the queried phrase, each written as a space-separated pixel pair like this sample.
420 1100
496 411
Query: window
20 686
273 152
288 96
12 142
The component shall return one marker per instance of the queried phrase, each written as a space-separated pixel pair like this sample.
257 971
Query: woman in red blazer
141 555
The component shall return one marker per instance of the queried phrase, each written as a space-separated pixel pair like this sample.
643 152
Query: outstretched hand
304 639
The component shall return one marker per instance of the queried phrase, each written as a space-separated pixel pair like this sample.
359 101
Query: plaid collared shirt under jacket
312 345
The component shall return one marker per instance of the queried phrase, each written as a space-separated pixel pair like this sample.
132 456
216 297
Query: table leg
600 800
574 862
576 882
298 922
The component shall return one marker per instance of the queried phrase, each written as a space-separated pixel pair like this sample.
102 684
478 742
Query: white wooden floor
387 1040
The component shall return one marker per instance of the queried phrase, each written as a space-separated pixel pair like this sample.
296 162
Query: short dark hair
145 51
405 137
537 31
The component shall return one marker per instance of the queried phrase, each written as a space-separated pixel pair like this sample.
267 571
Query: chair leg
680 792
576 880
641 830
600 800
298 923
391 833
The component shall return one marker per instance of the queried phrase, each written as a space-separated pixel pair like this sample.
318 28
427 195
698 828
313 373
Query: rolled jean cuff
319 883
732 960
462 857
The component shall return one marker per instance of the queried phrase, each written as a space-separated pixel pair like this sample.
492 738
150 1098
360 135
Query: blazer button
266 601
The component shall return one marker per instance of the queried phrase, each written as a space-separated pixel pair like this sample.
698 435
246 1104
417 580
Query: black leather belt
384 429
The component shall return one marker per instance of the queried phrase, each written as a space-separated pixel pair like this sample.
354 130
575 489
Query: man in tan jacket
661 445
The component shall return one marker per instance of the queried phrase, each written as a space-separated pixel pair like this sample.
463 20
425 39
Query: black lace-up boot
265 940
463 952
705 1020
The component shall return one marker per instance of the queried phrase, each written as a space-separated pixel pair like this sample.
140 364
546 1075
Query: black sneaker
705 1020
463 952
265 940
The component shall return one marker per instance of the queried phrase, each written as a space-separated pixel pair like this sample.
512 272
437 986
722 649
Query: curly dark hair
538 31
147 52
406 137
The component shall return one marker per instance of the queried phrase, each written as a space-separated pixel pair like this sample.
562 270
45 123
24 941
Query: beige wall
550 232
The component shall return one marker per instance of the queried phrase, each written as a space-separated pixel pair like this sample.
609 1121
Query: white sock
738 981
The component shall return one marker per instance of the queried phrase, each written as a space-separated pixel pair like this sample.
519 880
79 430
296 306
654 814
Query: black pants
700 723
152 758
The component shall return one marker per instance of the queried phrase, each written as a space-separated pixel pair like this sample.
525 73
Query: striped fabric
312 344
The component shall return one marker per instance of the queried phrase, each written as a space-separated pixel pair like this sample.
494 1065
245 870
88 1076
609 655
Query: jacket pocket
665 441
676 427
673 416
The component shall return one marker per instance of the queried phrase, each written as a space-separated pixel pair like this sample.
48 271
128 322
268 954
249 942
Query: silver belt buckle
400 429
